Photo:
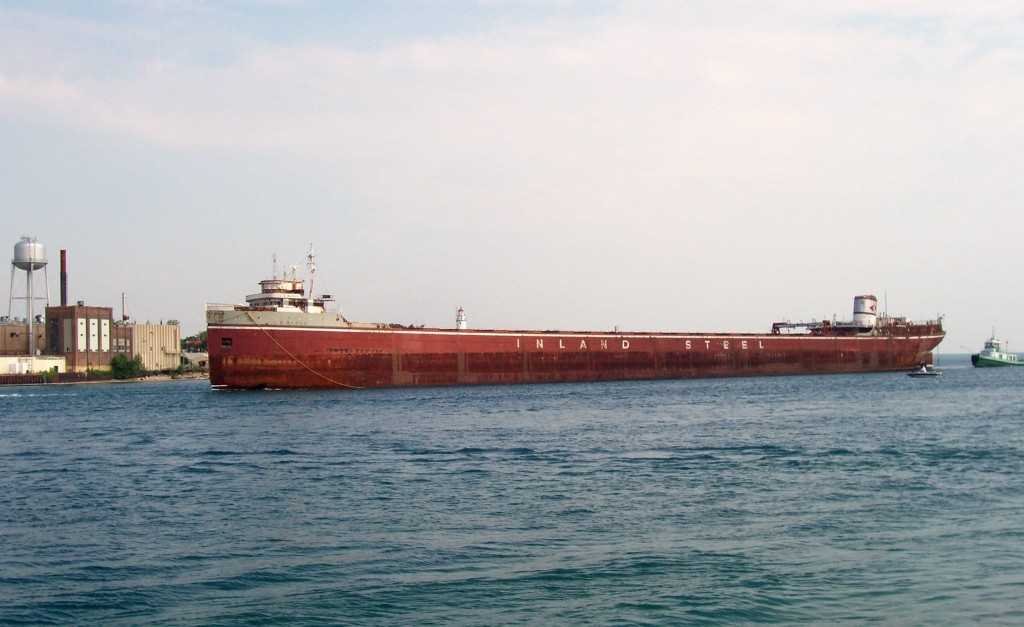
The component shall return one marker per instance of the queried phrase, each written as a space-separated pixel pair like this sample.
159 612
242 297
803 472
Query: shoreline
170 377
6 381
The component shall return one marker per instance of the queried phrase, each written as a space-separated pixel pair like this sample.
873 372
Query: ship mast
311 265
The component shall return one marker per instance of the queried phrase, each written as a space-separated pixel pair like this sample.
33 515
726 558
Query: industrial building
85 336
75 338
159 345
14 336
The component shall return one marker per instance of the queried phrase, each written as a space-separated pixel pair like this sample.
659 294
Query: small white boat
925 371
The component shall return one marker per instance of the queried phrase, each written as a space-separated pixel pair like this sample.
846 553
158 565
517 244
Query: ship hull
982 361
256 350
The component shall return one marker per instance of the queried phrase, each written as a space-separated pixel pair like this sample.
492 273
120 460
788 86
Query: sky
545 164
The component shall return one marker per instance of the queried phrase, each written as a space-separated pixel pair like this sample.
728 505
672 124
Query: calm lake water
810 499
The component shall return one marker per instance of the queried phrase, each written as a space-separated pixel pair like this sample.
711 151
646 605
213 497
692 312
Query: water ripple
783 500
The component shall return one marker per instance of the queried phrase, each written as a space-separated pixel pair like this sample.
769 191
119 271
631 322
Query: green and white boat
992 356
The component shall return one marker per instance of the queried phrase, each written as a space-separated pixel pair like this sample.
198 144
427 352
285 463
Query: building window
225 342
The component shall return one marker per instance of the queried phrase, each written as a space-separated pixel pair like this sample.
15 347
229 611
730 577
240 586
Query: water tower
29 255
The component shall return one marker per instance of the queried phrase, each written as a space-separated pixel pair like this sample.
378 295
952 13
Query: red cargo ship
283 338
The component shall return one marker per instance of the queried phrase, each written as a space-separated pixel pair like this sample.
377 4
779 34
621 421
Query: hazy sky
673 166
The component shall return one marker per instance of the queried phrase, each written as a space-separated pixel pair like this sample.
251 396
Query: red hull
254 356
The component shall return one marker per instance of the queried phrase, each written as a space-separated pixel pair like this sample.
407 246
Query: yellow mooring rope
297 360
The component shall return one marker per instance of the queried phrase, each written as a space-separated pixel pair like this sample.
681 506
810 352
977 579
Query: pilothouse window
225 342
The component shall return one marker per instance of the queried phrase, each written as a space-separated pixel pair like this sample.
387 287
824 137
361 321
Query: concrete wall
24 364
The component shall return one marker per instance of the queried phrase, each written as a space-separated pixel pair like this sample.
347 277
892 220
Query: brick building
85 336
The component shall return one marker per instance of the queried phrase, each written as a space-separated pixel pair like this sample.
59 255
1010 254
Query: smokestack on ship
865 311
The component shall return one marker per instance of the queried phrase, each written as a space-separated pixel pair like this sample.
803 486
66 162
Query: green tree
194 343
124 367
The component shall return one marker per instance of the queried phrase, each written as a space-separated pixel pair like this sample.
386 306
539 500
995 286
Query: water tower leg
46 283
10 301
31 317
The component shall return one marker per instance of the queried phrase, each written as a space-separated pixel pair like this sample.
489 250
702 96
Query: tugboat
924 370
992 356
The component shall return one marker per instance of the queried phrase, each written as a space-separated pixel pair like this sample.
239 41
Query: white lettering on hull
688 344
